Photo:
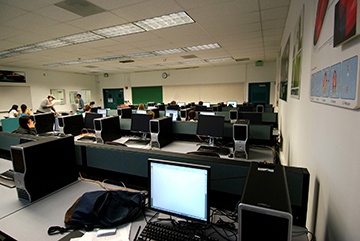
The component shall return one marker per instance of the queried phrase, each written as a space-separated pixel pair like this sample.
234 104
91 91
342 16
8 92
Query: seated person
192 116
24 111
141 107
13 112
26 126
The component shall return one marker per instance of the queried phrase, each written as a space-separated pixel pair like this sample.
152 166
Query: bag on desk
105 209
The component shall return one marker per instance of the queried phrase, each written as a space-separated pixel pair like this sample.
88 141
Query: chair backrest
9 124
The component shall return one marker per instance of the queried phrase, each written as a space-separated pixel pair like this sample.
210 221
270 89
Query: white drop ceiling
244 29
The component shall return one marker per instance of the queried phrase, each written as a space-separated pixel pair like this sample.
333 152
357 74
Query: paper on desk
122 234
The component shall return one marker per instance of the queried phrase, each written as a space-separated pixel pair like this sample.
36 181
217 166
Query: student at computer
26 126
141 107
13 112
47 105
92 103
24 111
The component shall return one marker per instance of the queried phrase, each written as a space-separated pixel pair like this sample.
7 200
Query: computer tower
107 129
183 114
264 212
39 171
161 131
241 139
233 116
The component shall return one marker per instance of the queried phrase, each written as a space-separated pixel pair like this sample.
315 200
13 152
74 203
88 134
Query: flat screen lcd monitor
210 125
44 122
89 120
102 111
140 123
232 103
181 104
125 113
207 104
71 124
172 113
180 189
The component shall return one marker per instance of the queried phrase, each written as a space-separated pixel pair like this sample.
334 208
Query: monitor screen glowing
180 189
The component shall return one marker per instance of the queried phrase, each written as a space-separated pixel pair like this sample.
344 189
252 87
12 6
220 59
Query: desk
24 221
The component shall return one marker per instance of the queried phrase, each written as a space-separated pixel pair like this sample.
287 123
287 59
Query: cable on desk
302 232
102 184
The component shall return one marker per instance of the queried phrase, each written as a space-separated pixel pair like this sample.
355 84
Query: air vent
126 61
242 59
80 7
189 56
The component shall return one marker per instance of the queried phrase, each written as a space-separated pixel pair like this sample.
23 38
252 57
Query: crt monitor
44 122
89 120
180 189
173 113
210 126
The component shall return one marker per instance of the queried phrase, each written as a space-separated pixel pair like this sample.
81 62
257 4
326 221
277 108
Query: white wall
40 83
227 76
325 140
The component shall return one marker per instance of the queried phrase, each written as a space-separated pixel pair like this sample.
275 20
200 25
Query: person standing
81 102
46 105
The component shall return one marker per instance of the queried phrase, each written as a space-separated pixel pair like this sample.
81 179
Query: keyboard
161 232
8 175
137 142
220 150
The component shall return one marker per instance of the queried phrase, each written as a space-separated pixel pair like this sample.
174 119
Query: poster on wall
284 71
297 56
335 65
12 76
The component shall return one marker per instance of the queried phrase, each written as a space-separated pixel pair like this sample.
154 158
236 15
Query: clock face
164 75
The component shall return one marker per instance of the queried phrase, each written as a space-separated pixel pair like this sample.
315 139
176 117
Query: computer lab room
179 120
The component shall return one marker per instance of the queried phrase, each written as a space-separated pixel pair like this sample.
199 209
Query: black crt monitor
200 108
180 189
140 123
71 124
125 113
254 117
173 107
44 122
210 126
89 120
172 113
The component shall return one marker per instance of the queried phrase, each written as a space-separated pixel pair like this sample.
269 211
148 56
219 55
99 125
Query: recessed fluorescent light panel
54 43
140 55
203 47
119 30
81 38
169 51
219 59
165 21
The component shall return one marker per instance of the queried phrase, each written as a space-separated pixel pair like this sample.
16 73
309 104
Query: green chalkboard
147 94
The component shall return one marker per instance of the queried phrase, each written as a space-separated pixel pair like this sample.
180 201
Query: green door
259 93
113 98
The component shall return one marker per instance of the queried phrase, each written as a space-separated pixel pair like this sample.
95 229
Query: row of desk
24 221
